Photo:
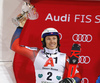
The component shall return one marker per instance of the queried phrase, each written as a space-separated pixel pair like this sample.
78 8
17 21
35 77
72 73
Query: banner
77 22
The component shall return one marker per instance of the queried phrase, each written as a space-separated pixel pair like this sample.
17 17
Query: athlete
49 62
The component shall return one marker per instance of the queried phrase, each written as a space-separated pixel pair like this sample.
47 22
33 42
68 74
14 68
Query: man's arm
75 79
71 65
19 49
23 50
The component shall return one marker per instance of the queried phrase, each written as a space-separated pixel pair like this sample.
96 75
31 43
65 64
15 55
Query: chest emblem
49 62
58 77
40 75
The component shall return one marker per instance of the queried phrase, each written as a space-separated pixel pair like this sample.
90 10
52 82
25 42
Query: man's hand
75 52
68 80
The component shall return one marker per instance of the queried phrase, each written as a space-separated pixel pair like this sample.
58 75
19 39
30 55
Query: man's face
51 42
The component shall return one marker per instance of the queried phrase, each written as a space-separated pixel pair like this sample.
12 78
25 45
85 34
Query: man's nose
51 40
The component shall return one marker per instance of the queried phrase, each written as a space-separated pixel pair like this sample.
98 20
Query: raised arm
21 49
20 20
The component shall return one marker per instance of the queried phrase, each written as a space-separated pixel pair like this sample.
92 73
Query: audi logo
82 37
85 80
84 59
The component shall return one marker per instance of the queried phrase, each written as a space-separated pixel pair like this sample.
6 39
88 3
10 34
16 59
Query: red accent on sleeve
22 50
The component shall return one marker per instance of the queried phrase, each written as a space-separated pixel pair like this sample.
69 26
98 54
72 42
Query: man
49 63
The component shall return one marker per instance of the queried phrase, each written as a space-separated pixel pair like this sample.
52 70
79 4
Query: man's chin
52 48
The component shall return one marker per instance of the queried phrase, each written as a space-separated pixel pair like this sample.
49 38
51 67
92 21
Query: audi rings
82 37
84 59
85 80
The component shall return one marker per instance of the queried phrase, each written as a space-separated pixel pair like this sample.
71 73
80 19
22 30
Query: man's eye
48 39
54 38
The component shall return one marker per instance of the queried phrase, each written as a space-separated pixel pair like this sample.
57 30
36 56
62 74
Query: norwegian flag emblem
52 33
